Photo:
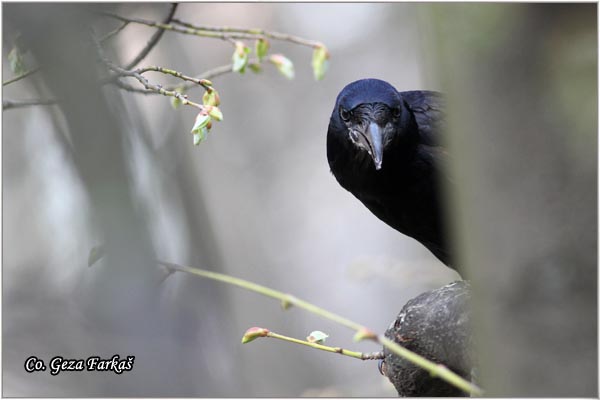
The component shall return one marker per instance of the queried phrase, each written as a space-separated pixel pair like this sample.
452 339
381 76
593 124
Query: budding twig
354 354
257 33
362 332
202 82
224 33
155 88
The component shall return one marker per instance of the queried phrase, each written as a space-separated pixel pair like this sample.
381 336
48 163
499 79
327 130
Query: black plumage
384 147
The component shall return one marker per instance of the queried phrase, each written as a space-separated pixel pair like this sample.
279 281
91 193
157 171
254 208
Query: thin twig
202 82
257 32
22 76
208 75
286 299
354 354
127 87
153 40
12 104
227 36
114 32
122 72
157 88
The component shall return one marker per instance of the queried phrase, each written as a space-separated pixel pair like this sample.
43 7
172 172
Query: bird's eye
396 112
345 114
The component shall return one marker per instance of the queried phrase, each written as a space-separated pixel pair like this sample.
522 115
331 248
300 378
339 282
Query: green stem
434 369
21 76
286 299
339 350
265 291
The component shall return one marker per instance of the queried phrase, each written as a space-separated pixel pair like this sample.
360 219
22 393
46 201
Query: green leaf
202 119
261 48
200 136
320 62
317 337
283 65
240 57
214 113
201 127
254 333
211 98
96 254
15 59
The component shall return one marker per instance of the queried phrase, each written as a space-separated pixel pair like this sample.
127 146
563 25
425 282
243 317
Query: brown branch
153 40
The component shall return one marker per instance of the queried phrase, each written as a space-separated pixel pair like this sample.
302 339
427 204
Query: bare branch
258 33
153 40
113 33
22 76
12 104
127 87
230 36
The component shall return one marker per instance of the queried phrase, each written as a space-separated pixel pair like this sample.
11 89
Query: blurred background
257 201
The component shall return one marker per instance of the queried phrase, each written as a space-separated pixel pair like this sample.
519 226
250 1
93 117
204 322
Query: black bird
384 147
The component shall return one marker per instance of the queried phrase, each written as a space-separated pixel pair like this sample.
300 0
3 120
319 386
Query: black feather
406 192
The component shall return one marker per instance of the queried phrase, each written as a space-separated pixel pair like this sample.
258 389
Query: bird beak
375 141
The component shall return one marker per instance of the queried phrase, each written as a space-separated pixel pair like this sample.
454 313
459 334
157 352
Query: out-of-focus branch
12 104
21 76
179 29
153 40
149 87
224 33
114 32
257 33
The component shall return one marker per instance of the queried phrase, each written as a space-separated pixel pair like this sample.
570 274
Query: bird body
384 147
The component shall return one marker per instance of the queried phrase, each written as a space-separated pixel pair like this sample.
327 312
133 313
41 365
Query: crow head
367 114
